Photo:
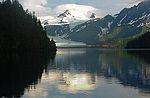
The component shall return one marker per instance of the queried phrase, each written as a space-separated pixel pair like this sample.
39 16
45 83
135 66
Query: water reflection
72 82
129 70
82 73
19 71
95 73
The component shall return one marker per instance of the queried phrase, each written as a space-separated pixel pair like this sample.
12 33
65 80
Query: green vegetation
141 42
109 37
21 31
116 39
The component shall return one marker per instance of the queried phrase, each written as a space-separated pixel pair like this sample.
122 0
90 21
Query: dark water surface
83 73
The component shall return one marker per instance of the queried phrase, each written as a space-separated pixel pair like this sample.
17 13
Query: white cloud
77 13
39 6
35 2
78 10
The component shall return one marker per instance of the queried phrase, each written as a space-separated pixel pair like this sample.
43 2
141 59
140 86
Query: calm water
94 73
88 73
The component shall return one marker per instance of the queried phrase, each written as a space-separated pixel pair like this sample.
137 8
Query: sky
101 7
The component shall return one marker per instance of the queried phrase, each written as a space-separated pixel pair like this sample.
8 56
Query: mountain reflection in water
88 73
83 73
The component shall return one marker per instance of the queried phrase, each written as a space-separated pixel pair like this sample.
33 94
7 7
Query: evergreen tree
20 30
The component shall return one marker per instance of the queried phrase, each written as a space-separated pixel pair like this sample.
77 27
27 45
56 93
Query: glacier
60 42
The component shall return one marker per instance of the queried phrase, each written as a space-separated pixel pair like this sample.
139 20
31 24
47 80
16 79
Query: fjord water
79 73
94 73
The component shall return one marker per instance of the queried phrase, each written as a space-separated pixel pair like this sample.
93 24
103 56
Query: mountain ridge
129 23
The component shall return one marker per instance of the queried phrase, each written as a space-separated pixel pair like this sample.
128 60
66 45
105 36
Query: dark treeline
142 42
20 73
21 31
24 49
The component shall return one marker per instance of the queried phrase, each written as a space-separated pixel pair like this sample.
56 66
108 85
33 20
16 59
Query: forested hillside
141 42
21 31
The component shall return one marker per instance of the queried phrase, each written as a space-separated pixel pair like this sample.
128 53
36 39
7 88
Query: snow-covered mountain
126 25
61 19
70 13
68 16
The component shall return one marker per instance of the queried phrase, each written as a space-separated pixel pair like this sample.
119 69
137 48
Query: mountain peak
64 14
130 22
108 17
144 3
93 15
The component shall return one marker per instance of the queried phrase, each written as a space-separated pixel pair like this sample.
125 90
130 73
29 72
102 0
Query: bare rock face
148 22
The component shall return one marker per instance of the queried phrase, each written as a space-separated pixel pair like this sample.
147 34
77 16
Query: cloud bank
39 6
79 10
42 7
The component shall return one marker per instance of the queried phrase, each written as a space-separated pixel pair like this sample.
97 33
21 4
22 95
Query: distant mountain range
110 31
